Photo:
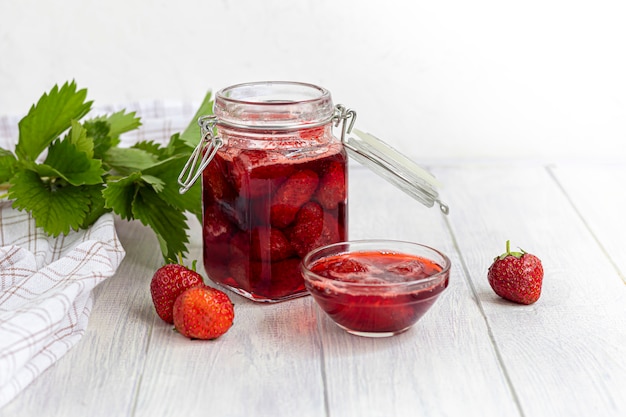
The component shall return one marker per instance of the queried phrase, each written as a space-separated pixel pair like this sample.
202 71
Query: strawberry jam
375 293
274 191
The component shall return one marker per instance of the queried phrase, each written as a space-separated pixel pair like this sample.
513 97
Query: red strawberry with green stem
516 276
167 283
203 313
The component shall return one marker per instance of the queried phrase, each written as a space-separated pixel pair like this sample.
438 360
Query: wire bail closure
342 115
207 147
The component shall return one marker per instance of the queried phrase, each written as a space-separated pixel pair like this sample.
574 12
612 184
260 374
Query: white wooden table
473 354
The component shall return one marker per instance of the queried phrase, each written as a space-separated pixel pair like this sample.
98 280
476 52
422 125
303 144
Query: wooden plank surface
448 354
267 364
598 194
473 354
565 355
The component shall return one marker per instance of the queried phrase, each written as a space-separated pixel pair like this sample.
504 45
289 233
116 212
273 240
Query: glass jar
274 183
276 187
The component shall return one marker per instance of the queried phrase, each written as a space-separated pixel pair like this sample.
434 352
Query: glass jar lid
394 167
387 162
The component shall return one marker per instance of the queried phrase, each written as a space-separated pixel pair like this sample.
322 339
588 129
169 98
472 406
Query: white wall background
538 79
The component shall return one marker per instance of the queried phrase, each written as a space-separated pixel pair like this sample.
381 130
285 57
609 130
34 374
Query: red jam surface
264 209
372 305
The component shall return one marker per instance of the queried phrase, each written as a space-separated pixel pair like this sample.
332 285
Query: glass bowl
375 288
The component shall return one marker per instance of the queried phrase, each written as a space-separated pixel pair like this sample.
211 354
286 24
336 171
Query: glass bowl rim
439 276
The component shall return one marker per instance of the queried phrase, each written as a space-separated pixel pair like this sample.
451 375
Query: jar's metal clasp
343 115
207 147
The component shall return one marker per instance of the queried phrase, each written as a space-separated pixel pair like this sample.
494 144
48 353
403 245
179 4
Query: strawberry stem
509 253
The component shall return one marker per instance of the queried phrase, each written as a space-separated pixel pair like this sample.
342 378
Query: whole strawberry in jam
203 313
168 282
291 195
516 276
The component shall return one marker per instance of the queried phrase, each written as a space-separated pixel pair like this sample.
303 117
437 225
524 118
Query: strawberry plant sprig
68 170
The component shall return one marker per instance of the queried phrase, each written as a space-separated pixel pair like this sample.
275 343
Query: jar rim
237 93
273 105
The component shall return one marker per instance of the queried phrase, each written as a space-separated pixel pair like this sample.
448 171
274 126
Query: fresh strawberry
516 276
312 228
203 313
332 187
168 282
291 195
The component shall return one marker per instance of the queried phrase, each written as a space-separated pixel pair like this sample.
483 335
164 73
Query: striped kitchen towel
46 292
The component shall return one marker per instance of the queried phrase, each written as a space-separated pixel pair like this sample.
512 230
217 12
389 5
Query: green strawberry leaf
168 171
65 160
106 130
150 147
191 135
121 122
128 160
96 206
8 165
85 173
51 116
156 183
98 131
78 137
56 206
169 223
177 145
120 194
134 198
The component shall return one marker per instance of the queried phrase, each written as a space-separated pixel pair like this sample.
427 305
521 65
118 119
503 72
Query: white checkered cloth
45 292
46 283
